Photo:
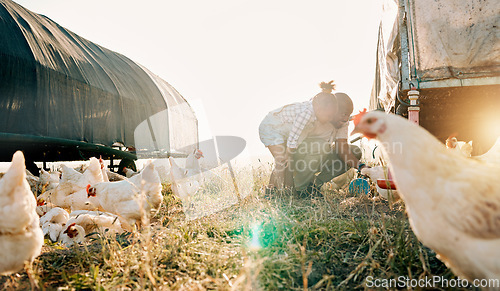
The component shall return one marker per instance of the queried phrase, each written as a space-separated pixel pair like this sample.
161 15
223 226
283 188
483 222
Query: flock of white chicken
74 203
453 201
375 155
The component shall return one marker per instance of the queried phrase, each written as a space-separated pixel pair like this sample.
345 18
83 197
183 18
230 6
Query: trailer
65 98
449 52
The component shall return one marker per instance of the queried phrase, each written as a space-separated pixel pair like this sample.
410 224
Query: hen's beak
69 227
356 129
90 191
40 202
361 128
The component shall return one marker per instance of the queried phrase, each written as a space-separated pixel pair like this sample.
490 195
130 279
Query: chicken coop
449 51
65 98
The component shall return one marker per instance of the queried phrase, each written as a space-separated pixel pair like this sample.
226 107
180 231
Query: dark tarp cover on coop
54 83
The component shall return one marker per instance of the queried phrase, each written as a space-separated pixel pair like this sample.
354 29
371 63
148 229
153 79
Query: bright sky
235 60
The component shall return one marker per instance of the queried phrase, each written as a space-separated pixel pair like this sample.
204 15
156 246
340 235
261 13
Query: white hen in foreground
21 238
453 202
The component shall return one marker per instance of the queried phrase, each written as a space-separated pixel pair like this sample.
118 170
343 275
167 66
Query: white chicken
21 238
452 202
122 198
48 180
132 198
53 222
191 167
73 182
80 200
162 167
69 174
129 172
73 234
96 221
464 148
104 173
43 207
113 177
183 186
149 182
192 164
33 181
91 175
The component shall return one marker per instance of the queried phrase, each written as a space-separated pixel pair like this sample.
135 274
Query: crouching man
326 153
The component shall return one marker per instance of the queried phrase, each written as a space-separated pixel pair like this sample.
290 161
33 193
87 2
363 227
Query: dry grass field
262 243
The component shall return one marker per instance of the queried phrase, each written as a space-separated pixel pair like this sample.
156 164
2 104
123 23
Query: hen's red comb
357 118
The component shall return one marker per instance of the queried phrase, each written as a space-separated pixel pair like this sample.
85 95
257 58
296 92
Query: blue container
359 186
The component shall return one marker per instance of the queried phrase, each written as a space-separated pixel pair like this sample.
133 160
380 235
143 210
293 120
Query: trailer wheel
126 163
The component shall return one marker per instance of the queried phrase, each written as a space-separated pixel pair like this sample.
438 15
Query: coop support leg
414 109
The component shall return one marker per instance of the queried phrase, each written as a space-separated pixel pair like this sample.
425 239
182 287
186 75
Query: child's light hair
325 97
327 87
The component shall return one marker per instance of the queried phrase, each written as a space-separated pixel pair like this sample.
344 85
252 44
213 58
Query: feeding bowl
386 184
359 186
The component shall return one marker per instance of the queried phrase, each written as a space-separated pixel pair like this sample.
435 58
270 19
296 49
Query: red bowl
386 184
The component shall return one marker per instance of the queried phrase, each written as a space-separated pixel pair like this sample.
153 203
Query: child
326 151
283 129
